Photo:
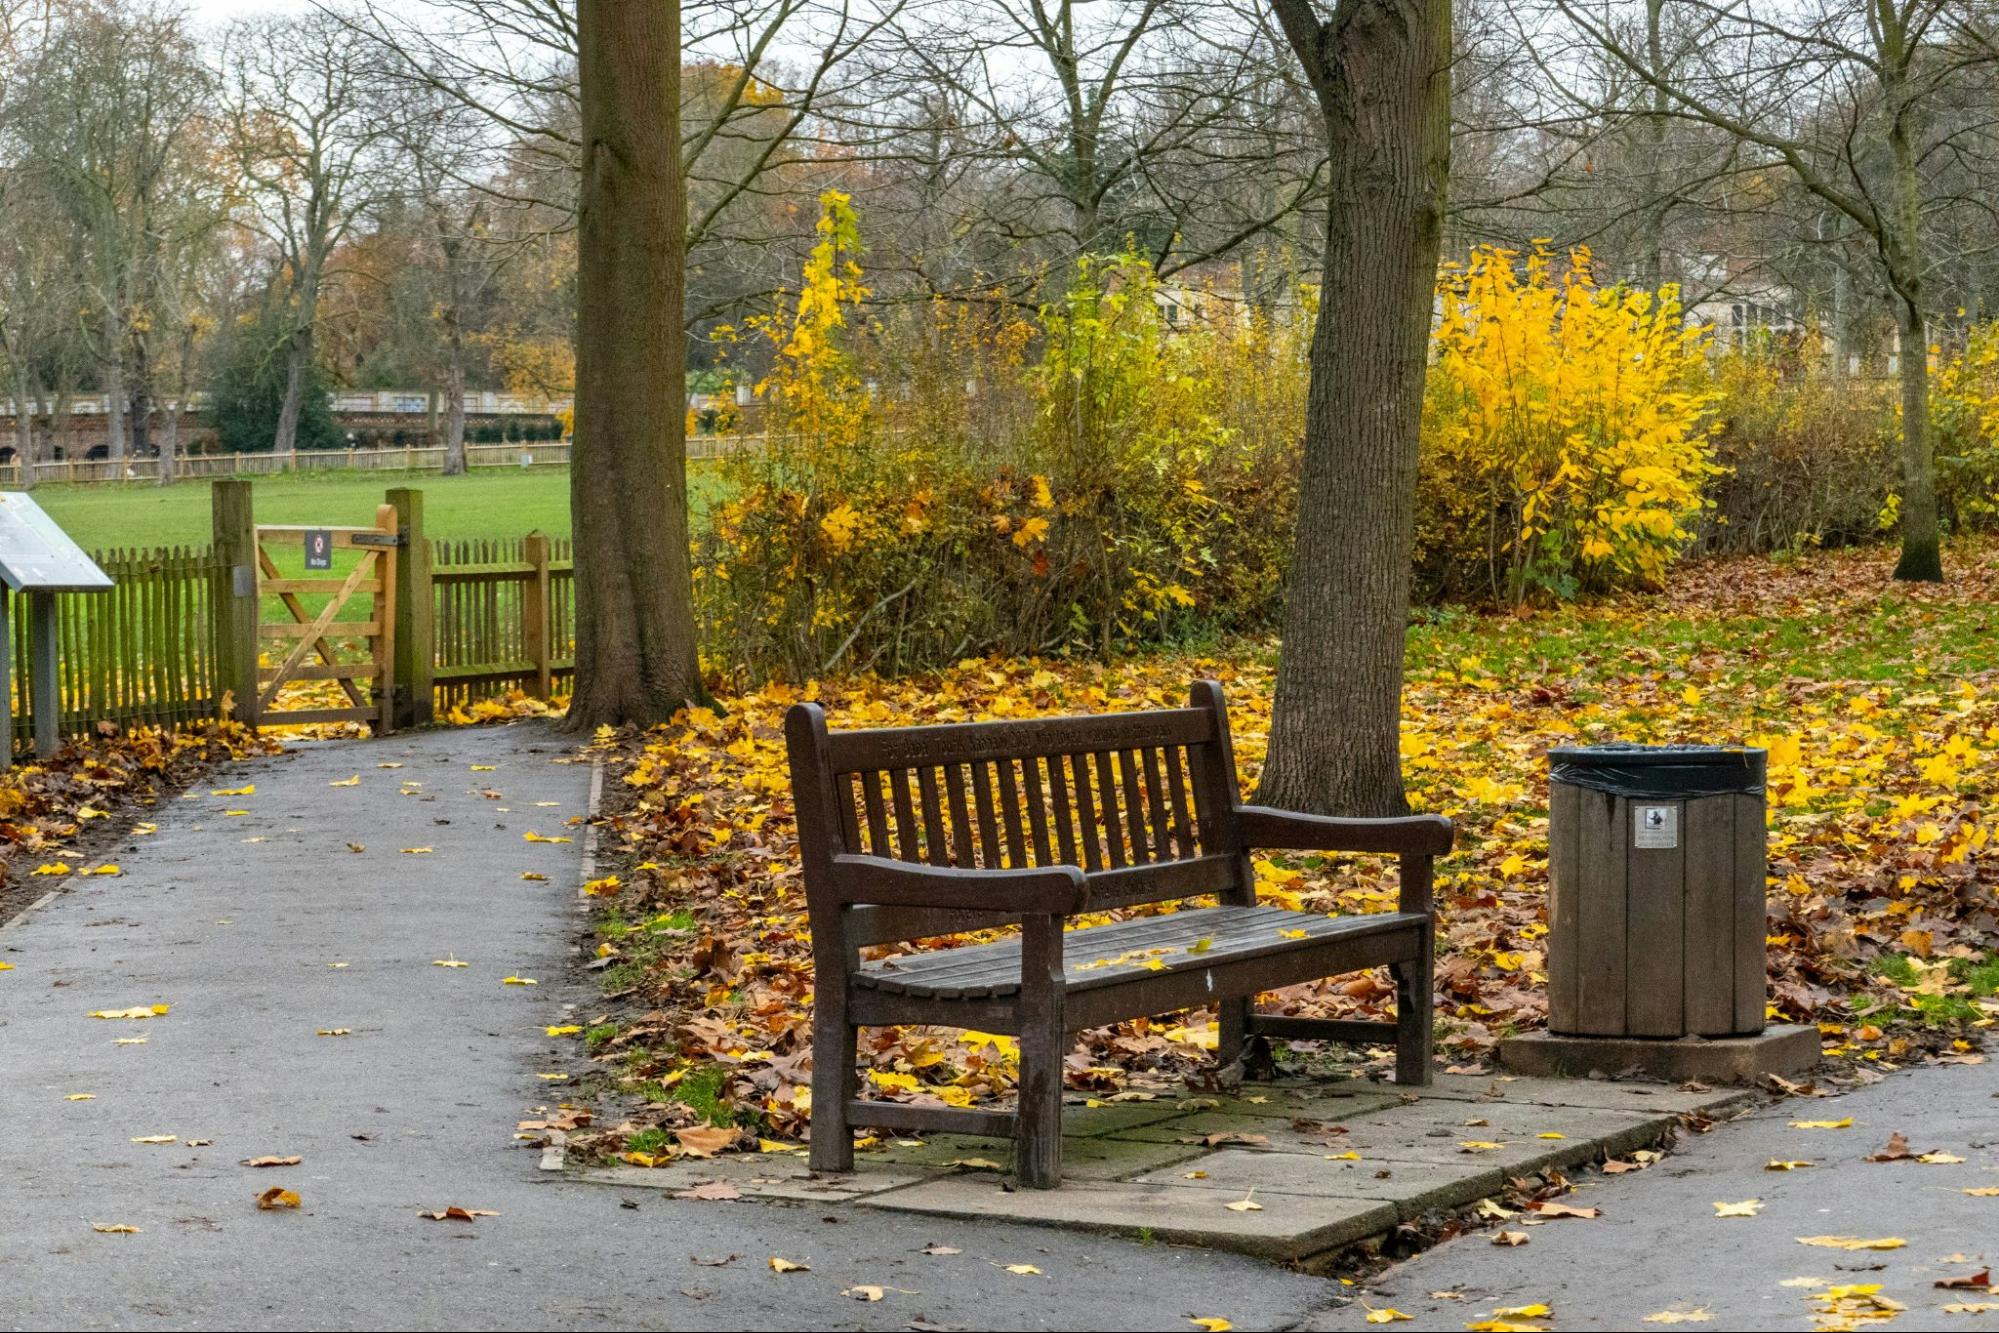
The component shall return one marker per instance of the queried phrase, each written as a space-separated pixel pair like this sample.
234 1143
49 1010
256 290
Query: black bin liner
1660 772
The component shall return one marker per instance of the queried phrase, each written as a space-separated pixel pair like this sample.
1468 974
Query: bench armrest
1287 830
1048 890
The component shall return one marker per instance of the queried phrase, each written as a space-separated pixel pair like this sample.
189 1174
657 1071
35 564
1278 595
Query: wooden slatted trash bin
1656 871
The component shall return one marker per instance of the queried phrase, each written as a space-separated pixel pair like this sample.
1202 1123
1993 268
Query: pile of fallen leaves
1878 704
51 808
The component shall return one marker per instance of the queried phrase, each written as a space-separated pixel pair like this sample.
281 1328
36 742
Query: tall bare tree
99 122
1382 74
310 119
1844 97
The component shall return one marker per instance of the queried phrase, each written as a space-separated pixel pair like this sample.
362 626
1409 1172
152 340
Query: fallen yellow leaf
1386 1315
114 1228
1747 1208
354 781
786 1266
1847 1123
138 1011
1853 1242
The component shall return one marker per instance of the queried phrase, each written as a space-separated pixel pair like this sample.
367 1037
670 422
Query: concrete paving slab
1604 1094
1285 1228
1432 1131
1093 1158
1413 1187
1085 1121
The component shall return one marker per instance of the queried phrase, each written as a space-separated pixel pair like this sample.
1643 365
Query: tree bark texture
1381 71
635 641
1922 549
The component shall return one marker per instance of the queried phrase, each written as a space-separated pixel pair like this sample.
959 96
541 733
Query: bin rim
1639 753
1660 772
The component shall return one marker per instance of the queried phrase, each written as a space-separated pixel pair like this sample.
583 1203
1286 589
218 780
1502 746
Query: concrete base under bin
1777 1050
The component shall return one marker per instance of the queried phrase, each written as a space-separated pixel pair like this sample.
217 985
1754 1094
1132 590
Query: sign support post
45 701
37 558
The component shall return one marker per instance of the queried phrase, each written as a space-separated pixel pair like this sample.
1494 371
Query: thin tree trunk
285 443
170 429
454 396
26 394
114 404
635 640
1381 70
1922 547
1922 553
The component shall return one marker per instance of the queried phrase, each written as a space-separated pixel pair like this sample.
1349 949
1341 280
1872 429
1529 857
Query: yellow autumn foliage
1566 443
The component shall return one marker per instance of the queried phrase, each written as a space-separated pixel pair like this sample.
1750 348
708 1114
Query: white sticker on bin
1655 826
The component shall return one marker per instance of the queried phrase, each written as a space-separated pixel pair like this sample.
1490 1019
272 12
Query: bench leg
1037 1133
1415 993
833 1043
1044 1041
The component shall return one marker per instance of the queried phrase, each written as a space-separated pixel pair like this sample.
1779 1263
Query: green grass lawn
488 503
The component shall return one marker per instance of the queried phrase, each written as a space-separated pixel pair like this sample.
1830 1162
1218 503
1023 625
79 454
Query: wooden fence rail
144 652
502 617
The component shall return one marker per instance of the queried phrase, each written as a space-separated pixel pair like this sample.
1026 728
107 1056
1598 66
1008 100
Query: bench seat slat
1101 956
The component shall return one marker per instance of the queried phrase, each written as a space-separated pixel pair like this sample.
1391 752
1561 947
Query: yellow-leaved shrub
954 479
1964 411
1566 439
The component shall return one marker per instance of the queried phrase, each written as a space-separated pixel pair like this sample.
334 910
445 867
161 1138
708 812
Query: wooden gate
368 645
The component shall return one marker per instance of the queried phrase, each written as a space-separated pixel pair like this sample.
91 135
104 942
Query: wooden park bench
909 833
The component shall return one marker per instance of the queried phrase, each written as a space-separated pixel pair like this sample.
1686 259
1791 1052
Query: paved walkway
1661 1248
237 922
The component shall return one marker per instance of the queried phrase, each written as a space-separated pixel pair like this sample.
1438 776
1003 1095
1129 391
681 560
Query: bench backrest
1140 801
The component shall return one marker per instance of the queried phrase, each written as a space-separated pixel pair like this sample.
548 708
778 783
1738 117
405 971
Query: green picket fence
143 652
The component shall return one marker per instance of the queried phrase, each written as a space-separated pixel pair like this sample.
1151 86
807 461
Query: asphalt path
263 929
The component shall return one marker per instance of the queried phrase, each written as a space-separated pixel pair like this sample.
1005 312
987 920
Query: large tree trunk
635 645
1381 70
